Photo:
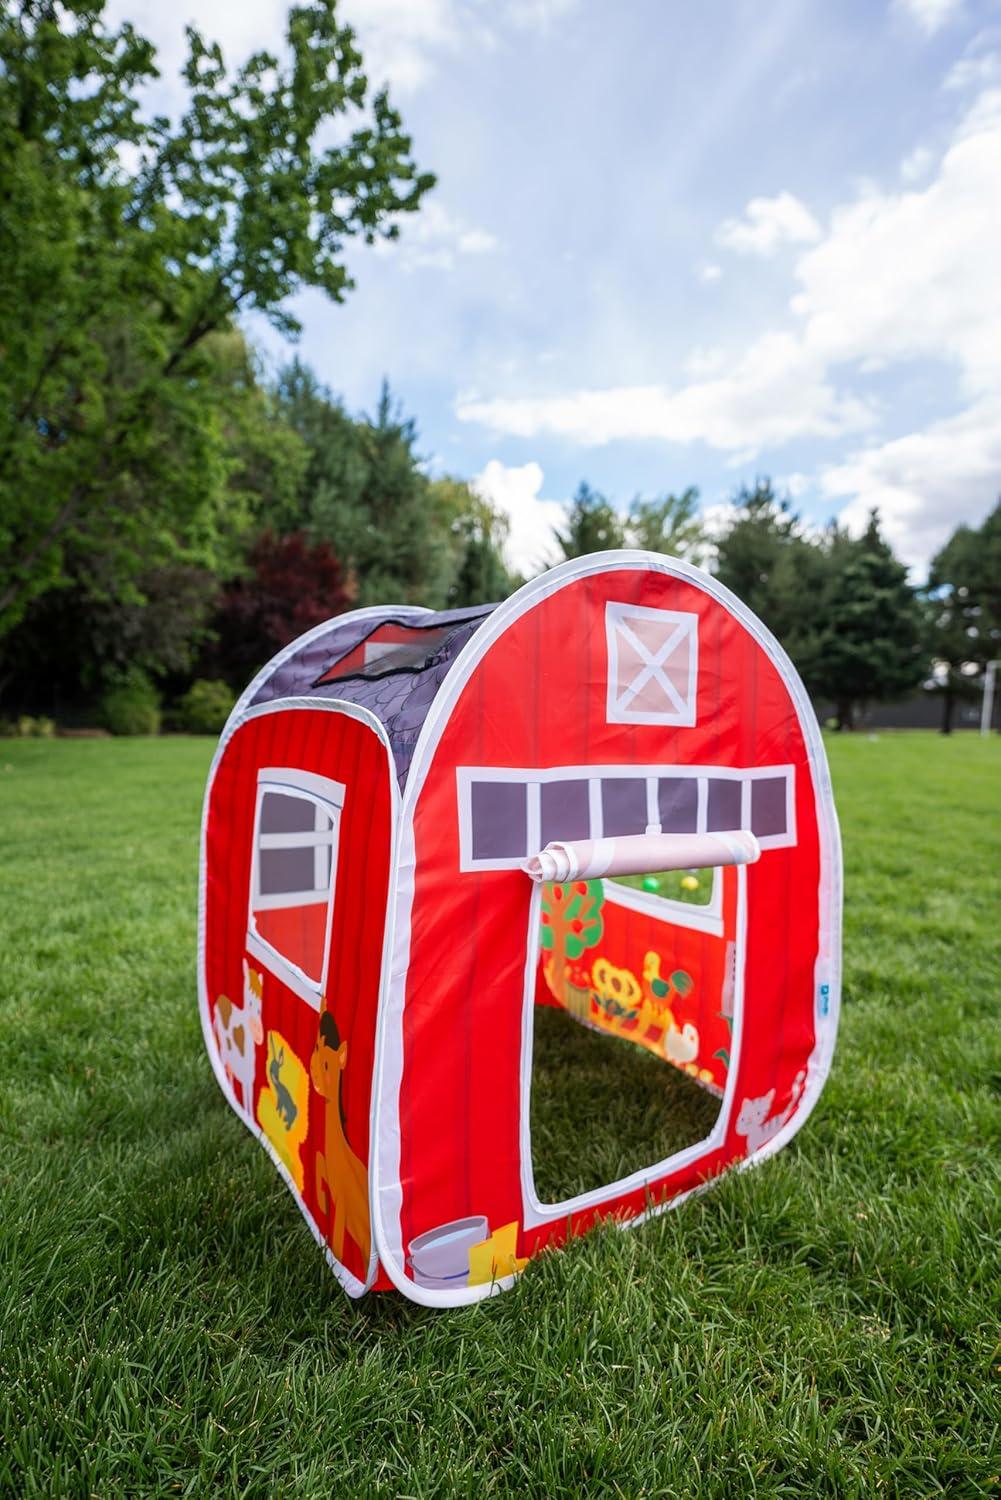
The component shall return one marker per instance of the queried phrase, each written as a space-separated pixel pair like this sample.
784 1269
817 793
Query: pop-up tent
419 826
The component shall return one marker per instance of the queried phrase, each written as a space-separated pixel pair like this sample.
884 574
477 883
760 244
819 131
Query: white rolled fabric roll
642 854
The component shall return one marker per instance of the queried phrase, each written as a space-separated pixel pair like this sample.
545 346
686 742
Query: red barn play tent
419 826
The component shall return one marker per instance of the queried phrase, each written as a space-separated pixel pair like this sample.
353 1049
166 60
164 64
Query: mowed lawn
826 1325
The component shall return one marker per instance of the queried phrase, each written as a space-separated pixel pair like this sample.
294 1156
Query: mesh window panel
768 806
723 806
678 804
287 870
499 813
284 814
623 806
565 811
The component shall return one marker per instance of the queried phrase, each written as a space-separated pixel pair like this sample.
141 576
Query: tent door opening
632 1029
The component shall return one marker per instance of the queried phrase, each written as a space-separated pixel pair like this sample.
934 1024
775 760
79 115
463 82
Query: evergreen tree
963 610
670 524
592 525
781 571
870 646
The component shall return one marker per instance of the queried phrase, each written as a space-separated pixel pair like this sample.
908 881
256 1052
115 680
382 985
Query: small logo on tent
652 665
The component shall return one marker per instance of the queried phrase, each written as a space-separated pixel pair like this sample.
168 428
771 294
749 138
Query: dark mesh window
283 871
499 812
768 806
283 814
564 810
678 804
623 806
723 806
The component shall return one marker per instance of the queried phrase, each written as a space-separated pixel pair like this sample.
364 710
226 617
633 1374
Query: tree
963 609
870 644
478 534
670 524
403 536
571 922
152 612
126 243
763 529
592 524
780 570
290 586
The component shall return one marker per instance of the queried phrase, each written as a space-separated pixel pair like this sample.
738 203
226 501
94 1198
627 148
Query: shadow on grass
602 1107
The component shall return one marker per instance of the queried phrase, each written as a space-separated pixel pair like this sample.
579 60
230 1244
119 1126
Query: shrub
27 728
205 707
131 705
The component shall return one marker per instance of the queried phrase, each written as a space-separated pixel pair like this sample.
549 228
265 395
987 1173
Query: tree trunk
846 715
948 703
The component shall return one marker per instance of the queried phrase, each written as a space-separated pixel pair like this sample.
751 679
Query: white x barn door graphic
652 665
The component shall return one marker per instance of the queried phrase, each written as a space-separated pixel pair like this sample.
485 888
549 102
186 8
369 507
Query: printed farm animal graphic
754 1120
283 1106
648 1008
238 1033
341 1176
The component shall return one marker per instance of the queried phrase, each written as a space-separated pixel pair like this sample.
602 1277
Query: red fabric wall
538 699
333 745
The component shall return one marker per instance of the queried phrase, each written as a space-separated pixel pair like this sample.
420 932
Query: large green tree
592 524
666 523
779 568
128 242
670 524
963 603
365 490
870 644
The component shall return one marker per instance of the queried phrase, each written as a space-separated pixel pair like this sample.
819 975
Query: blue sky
681 244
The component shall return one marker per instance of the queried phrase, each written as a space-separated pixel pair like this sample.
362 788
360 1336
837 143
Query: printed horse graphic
341 1176
238 1034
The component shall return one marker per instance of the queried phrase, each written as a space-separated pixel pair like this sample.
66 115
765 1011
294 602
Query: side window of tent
293 876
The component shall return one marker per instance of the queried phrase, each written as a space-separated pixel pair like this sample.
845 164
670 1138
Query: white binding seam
384 1166
347 1279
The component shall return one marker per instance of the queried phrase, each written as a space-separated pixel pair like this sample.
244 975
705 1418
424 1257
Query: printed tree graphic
571 923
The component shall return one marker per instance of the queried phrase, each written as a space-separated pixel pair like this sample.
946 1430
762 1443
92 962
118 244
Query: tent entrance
632 1025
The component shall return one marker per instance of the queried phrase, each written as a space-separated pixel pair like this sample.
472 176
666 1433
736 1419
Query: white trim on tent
537 1212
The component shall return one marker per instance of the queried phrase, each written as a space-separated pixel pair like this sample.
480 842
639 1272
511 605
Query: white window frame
326 795
532 780
686 624
705 918
535 1211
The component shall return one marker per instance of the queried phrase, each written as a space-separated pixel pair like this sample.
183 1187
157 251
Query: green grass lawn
826 1325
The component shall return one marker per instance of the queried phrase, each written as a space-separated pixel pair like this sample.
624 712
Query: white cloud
899 276
924 484
435 237
776 392
769 223
930 15
917 164
538 14
515 491
980 65
403 40
913 275
710 272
